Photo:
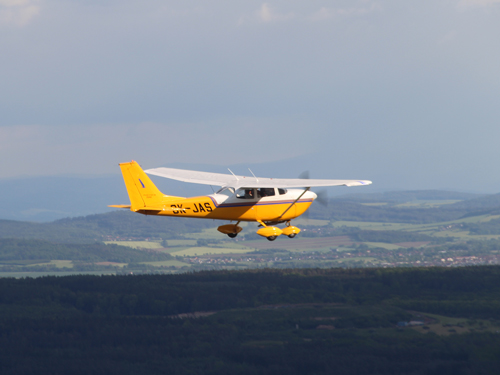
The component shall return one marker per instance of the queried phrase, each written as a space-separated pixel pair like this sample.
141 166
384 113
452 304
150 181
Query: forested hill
19 251
399 207
407 207
350 322
103 226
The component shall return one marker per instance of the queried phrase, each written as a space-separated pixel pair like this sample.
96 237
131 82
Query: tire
232 235
271 238
292 235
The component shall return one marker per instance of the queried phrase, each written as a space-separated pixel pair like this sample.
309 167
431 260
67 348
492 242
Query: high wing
226 180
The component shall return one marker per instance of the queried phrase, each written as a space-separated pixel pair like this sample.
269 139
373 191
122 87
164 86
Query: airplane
267 201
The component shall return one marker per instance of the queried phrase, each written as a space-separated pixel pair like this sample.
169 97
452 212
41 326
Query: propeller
322 197
322 194
305 175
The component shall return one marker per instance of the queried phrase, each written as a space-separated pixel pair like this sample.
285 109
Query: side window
265 192
281 191
245 194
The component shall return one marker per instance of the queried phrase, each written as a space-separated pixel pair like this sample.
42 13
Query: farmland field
137 244
167 263
196 251
58 263
301 244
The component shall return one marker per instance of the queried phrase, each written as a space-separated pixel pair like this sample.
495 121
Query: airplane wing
226 180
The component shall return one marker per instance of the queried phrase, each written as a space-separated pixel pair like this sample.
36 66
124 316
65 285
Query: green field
445 326
196 251
300 244
167 263
310 222
358 259
173 243
235 244
367 225
137 244
426 203
388 246
57 263
206 234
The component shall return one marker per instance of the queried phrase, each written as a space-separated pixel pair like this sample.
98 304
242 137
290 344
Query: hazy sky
406 93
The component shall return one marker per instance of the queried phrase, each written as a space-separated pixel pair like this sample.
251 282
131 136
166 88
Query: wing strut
295 201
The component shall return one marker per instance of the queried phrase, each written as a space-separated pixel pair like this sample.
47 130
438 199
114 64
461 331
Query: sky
404 93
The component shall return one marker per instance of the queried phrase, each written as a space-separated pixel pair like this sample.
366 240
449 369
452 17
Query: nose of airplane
311 195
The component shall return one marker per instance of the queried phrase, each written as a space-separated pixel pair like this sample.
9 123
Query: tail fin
141 190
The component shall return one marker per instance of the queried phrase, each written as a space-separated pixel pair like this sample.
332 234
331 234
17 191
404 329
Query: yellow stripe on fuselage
205 207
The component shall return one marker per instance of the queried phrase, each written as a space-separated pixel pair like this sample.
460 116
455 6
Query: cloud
469 4
267 14
18 12
329 13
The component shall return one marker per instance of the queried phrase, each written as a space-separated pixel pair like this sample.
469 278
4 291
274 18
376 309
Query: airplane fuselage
224 207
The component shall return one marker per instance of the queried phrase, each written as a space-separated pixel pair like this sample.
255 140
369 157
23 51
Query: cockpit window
265 192
245 193
226 191
281 191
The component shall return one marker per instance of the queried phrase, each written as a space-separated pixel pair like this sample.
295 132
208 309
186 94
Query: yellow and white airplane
268 201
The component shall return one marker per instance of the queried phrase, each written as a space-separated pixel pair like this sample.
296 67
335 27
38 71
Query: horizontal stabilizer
120 205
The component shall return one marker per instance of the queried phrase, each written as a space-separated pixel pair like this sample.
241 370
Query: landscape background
399 277
391 229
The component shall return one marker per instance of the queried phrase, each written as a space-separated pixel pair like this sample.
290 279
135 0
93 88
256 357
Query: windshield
226 191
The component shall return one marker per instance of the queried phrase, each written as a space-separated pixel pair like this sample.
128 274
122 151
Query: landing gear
290 230
231 230
271 233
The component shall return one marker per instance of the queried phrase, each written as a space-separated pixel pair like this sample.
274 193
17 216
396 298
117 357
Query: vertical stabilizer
141 190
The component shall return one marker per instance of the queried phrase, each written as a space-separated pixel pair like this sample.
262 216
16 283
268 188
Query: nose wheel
232 235
290 230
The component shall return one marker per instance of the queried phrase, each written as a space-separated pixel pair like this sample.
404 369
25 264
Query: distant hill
408 196
99 227
22 249
124 224
339 210
357 208
481 203
56 197
44 199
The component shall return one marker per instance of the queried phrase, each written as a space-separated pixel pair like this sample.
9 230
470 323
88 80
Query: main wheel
291 235
271 238
232 235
